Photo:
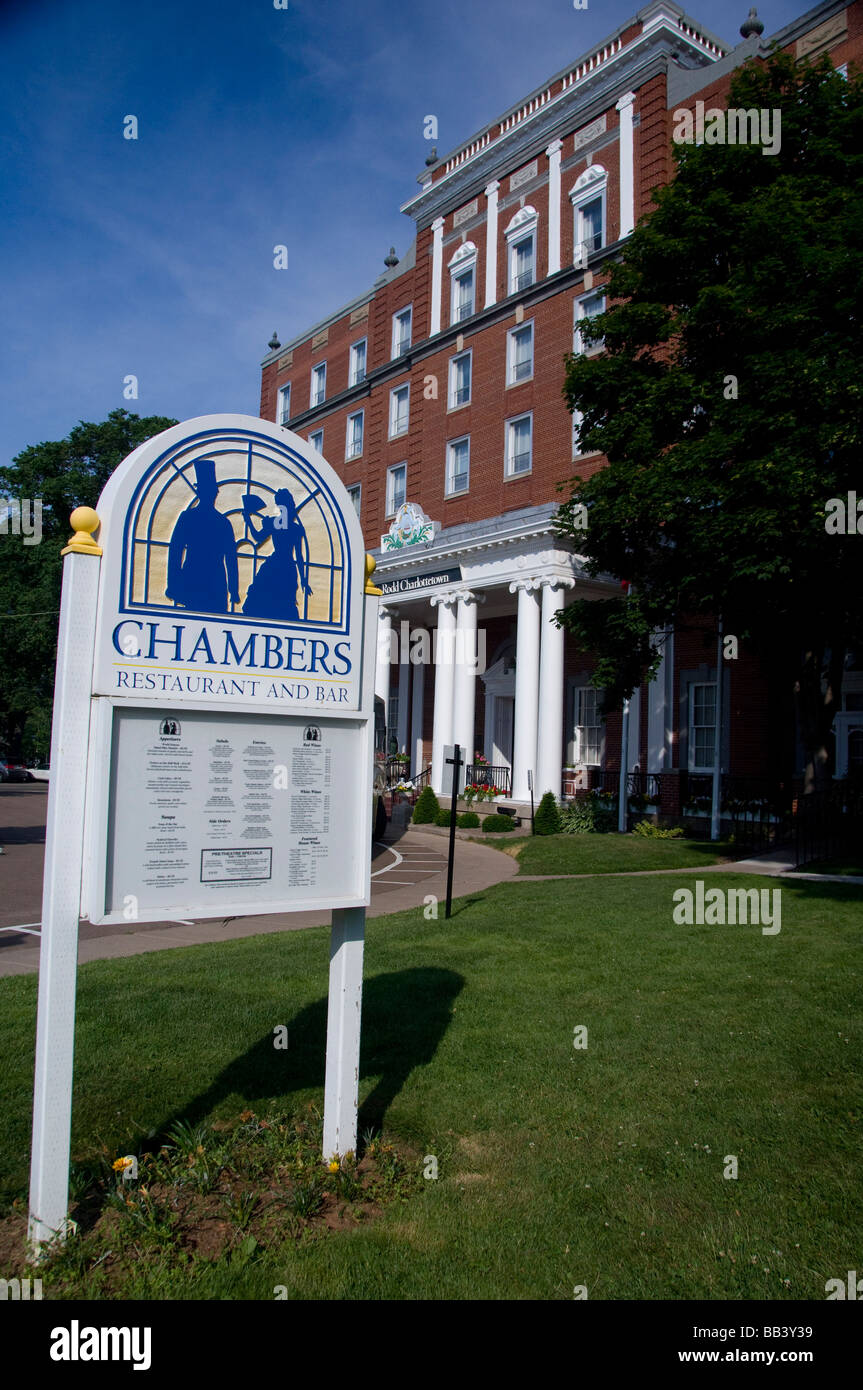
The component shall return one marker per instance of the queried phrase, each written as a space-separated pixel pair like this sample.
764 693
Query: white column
526 686
344 1011
553 153
382 664
437 275
417 709
61 900
491 243
404 709
549 758
443 684
627 167
464 692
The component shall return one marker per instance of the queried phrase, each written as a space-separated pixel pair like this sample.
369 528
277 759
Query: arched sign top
231 551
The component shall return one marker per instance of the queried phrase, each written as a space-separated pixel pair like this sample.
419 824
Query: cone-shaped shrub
426 809
547 819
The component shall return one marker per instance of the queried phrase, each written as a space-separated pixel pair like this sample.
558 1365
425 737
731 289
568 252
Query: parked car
17 772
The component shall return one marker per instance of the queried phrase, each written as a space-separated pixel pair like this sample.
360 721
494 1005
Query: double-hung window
459 380
402 331
357 372
284 404
319 384
462 269
702 726
519 445
354 439
587 726
399 410
457 465
588 198
396 487
587 307
519 354
521 238
355 493
316 439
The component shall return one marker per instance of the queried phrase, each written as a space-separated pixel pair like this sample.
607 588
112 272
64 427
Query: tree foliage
64 474
728 400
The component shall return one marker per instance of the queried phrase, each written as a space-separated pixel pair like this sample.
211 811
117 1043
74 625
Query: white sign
229 814
213 731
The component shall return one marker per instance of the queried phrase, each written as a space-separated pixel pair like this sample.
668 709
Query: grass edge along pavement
558 1166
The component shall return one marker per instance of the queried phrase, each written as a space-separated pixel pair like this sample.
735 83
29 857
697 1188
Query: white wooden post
347 939
61 888
344 1014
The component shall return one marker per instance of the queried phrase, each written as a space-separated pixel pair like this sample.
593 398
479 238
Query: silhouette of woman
273 592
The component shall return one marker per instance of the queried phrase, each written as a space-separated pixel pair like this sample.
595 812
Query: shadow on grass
405 1016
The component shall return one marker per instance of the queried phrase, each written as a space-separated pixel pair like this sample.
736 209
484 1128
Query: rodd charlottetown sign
213 730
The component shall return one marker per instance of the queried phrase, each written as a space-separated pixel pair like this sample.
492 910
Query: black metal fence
829 824
486 775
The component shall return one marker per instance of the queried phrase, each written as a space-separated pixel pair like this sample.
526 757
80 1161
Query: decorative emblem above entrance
410 526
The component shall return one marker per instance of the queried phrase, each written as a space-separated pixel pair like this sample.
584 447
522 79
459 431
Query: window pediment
463 256
522 221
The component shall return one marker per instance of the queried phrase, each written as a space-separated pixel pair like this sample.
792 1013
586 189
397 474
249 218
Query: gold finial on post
371 566
84 522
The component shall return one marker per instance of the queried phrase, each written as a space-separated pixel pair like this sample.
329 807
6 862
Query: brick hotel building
436 396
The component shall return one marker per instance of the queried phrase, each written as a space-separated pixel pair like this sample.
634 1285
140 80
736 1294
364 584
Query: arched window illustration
244 529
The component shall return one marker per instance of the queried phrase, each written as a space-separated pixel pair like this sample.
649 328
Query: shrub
426 809
468 820
593 814
443 816
547 818
493 823
651 831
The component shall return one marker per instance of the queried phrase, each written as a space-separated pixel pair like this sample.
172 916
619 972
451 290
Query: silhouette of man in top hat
202 555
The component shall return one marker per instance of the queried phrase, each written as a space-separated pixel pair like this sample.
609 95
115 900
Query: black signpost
456 761
530 789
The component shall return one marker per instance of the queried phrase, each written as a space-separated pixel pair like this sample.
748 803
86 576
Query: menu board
233 812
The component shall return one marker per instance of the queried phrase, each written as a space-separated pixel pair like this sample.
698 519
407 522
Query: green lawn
558 1167
612 854
847 868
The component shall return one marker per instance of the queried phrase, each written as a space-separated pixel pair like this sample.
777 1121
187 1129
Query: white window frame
355 492
408 313
449 490
313 396
283 398
512 334
578 346
589 186
452 403
524 226
396 391
317 434
392 505
353 378
509 471
351 451
463 263
580 740
692 765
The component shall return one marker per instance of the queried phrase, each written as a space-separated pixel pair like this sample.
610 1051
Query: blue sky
256 127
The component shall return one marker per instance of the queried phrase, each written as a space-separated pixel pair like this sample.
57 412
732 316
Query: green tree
728 403
64 474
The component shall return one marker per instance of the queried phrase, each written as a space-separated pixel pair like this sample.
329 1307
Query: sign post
456 762
530 789
213 731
